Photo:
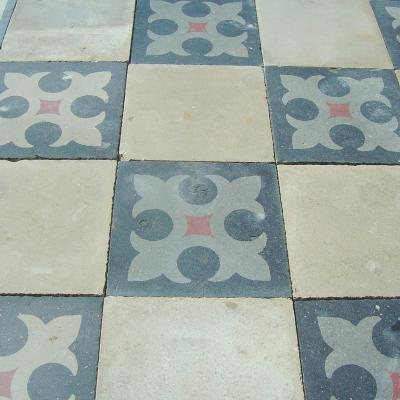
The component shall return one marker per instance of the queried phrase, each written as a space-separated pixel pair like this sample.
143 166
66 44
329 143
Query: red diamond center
198 225
49 107
339 110
6 379
197 27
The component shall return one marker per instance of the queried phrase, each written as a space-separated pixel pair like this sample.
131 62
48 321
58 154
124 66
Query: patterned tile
343 228
55 224
179 349
60 110
388 17
196 32
350 349
6 10
170 113
343 116
49 347
59 30
194 229
321 33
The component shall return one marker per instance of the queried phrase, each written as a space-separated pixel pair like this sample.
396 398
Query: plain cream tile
55 221
343 229
69 30
321 33
179 349
196 113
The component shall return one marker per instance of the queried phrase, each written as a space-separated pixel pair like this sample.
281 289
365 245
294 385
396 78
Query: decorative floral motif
46 343
353 345
198 225
333 111
54 108
343 116
197 27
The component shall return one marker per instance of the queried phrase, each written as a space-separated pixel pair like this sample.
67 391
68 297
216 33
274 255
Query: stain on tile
196 32
350 349
343 116
49 347
200 229
388 16
60 110
6 10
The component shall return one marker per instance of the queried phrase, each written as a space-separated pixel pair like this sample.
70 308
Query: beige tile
180 349
55 219
321 33
343 229
69 30
196 113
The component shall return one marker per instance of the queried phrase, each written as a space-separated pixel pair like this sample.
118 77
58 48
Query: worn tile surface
191 229
388 17
49 347
196 32
321 33
55 218
59 30
171 113
350 349
6 10
344 116
60 110
198 348
342 225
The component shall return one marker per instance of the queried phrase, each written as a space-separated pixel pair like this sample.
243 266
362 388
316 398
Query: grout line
133 32
98 351
299 352
110 231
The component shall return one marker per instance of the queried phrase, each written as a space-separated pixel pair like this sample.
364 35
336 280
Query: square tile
196 32
55 218
49 347
388 16
61 110
321 33
6 10
342 227
342 116
197 229
179 349
350 348
59 30
196 113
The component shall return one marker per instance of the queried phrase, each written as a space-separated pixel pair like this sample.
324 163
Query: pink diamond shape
49 107
198 225
341 110
6 379
198 27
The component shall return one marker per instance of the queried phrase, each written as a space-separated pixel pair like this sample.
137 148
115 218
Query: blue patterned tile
343 116
350 349
196 32
49 347
388 16
6 10
60 110
197 229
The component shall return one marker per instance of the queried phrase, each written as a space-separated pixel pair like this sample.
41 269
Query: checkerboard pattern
199 199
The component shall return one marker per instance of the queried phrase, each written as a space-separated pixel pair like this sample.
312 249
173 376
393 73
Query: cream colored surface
69 30
343 229
196 113
55 222
321 33
180 349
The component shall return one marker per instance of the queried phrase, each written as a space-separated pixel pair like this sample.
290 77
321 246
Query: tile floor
199 200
